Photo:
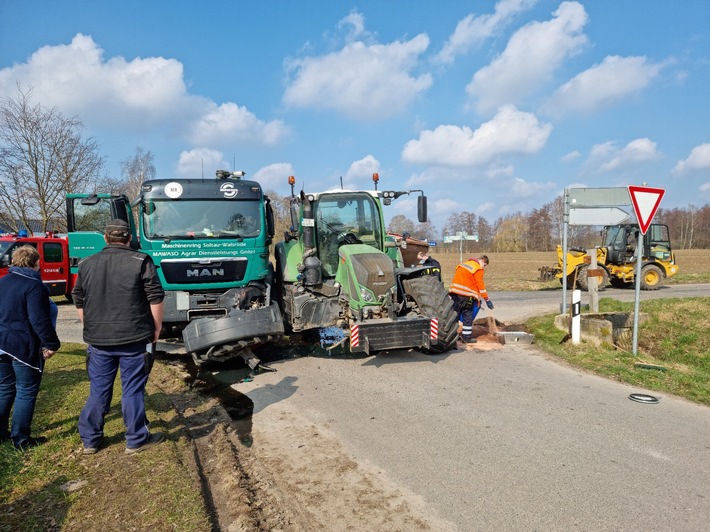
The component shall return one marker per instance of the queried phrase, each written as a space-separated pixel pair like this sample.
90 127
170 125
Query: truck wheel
651 277
433 301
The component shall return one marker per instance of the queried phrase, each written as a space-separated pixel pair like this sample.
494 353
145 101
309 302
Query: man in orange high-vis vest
467 290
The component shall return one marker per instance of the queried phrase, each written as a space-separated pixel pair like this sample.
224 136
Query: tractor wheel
433 301
651 277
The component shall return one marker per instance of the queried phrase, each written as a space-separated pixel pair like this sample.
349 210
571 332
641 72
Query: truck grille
203 272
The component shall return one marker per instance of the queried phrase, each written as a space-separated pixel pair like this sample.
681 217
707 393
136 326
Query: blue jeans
102 365
19 385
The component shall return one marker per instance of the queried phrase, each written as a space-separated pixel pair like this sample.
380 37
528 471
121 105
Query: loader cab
621 243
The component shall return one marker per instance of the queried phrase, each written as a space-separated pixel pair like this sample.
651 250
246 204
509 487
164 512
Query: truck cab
53 259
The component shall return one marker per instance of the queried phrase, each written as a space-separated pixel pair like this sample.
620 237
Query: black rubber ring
644 398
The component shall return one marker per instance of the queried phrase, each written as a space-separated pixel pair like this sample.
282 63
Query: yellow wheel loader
617 256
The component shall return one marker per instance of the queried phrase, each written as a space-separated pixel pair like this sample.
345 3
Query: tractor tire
651 277
433 301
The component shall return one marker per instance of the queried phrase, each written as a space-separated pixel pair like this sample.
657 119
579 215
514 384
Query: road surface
498 439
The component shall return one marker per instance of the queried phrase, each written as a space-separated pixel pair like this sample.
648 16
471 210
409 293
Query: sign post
460 236
590 206
645 201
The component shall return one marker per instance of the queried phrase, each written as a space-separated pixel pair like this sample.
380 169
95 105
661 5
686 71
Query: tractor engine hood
371 269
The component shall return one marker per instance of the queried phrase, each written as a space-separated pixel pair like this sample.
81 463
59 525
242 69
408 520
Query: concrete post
593 281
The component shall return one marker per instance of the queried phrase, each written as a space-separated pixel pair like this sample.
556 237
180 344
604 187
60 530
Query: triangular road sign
645 201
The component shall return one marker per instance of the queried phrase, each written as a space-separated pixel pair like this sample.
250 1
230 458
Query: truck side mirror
270 226
421 209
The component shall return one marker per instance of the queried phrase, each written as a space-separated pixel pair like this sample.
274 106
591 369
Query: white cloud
274 176
201 162
519 188
363 82
354 23
77 79
229 123
608 157
533 53
699 159
705 190
571 156
143 94
364 168
510 131
603 85
473 30
486 208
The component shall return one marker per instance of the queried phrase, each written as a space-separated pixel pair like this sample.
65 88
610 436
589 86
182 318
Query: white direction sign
597 216
645 201
598 197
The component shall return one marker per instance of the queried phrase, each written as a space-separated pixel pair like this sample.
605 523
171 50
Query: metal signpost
460 237
590 206
645 201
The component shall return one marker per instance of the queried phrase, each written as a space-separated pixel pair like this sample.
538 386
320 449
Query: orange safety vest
468 280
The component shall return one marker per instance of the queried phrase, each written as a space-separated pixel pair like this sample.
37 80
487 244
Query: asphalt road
506 439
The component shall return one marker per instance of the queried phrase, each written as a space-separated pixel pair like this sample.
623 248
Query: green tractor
335 274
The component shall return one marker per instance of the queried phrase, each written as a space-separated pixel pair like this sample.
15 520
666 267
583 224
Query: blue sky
489 107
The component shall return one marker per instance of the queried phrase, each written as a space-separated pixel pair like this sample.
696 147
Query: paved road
506 439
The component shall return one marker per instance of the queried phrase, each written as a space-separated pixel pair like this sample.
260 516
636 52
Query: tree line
45 155
542 229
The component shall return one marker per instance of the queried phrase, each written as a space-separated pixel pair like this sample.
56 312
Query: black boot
468 339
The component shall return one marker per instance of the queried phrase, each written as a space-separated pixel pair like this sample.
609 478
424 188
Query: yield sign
645 201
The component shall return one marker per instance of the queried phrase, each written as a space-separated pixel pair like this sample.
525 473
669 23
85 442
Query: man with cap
120 301
468 291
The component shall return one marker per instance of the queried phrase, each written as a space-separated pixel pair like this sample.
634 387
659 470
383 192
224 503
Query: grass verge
56 487
675 337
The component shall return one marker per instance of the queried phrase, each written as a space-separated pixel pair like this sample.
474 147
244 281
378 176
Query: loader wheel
651 277
583 280
433 300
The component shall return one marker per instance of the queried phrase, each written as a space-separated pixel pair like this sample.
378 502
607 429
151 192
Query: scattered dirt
300 480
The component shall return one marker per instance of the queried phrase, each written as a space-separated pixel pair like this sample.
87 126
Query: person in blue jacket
27 339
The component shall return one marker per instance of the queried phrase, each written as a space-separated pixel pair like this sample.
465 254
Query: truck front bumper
242 328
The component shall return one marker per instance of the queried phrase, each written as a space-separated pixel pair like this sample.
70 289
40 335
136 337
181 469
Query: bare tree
135 169
400 224
42 158
424 231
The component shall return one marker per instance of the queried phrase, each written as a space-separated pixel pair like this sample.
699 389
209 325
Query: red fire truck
53 259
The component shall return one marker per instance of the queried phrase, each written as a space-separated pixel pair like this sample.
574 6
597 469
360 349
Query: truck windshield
201 219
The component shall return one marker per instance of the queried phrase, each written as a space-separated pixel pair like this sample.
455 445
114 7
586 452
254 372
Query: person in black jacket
120 301
431 263
27 339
